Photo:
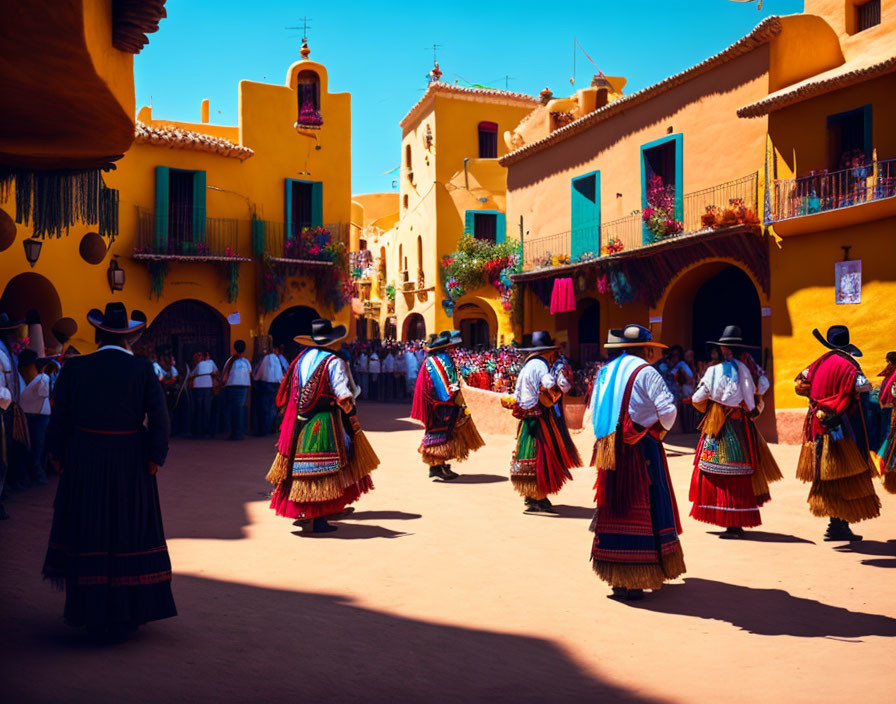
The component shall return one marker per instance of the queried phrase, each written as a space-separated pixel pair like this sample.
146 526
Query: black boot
733 533
448 473
320 525
435 472
839 531
547 507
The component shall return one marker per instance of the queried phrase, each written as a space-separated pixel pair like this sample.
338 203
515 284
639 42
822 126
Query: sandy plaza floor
448 593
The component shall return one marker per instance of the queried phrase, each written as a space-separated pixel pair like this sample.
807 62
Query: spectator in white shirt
237 380
361 373
373 368
401 373
35 401
412 368
267 376
388 375
202 380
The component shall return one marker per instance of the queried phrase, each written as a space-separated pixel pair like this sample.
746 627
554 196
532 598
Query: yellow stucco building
223 232
451 183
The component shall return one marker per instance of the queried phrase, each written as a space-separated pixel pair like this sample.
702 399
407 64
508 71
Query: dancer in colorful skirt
324 460
835 456
887 451
439 404
107 544
544 451
636 525
733 465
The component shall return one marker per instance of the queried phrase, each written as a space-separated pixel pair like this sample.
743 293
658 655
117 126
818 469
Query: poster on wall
848 282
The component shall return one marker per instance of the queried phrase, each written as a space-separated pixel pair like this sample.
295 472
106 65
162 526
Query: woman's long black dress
107 544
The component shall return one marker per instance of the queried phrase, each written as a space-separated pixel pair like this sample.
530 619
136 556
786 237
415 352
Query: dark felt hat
731 337
115 319
323 334
631 336
837 338
444 340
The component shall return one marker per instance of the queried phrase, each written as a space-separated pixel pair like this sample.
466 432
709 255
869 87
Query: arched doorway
589 330
187 327
413 328
32 291
477 323
291 322
727 298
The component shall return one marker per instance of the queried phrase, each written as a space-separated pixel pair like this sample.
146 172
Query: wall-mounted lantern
115 275
32 250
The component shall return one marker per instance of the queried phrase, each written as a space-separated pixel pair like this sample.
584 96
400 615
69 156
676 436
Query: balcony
824 200
727 205
317 246
187 237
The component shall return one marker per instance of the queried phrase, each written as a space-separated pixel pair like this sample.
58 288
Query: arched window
407 156
488 140
308 90
420 252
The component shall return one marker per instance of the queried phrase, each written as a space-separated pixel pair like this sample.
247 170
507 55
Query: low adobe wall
790 425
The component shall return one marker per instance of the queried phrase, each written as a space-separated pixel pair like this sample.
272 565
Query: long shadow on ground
768 612
236 642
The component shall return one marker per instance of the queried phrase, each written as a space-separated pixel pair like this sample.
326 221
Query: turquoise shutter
317 204
501 230
160 228
258 237
470 222
584 209
198 206
287 216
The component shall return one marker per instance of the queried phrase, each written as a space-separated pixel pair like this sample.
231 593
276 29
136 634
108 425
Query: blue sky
381 52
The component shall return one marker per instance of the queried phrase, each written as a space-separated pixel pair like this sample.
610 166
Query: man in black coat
107 544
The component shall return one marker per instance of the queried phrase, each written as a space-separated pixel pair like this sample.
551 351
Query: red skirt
315 509
724 500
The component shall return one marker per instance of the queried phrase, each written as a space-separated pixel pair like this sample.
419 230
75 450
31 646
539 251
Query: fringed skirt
636 528
887 454
107 544
328 471
840 471
543 456
722 486
455 443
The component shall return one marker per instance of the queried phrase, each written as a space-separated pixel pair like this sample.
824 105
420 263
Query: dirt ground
447 592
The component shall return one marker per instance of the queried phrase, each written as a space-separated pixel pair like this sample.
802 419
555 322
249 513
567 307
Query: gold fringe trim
465 439
850 511
279 470
714 420
840 458
848 488
527 487
768 467
890 481
805 468
760 485
317 488
619 574
364 460
604 455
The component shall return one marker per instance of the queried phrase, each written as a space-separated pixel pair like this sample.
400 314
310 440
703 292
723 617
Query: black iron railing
285 241
822 191
187 235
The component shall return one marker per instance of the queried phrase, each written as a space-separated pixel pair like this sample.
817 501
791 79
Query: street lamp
32 250
115 274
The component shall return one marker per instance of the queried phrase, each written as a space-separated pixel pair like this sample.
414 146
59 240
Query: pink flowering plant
659 215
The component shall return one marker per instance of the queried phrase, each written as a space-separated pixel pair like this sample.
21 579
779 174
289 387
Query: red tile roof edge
179 138
439 87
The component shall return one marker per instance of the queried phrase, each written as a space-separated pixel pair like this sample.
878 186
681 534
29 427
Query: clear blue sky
378 52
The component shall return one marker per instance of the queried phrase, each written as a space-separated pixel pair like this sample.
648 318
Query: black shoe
320 525
618 593
733 533
448 474
548 507
536 508
529 501
435 472
839 531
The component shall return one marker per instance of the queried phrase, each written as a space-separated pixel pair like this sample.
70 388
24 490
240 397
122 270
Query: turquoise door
585 215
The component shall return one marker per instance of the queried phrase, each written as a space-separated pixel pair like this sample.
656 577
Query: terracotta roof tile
848 74
439 87
178 138
763 33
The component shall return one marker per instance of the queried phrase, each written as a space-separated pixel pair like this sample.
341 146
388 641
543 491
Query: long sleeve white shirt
651 400
534 376
721 386
35 397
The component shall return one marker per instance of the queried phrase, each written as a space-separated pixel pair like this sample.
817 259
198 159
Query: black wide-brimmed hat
631 336
731 337
541 341
444 340
115 319
837 338
7 324
323 334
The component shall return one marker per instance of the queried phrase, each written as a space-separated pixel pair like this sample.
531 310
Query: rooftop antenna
436 73
507 80
305 27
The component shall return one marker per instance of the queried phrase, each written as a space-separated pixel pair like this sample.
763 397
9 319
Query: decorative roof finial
546 96
435 74
305 51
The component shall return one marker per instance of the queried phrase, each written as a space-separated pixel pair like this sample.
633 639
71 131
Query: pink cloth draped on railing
563 298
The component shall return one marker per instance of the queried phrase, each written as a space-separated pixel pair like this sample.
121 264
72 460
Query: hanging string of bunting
53 201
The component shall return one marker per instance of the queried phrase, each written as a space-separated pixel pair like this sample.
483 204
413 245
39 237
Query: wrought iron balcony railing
287 243
185 235
822 191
